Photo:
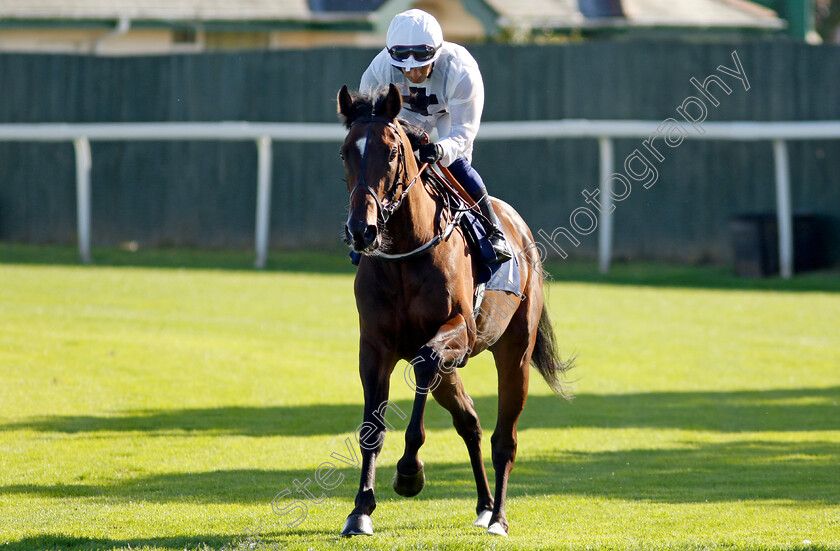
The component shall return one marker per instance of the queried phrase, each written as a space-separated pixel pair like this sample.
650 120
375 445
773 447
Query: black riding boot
493 227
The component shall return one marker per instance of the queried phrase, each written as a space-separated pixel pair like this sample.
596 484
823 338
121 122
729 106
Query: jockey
441 88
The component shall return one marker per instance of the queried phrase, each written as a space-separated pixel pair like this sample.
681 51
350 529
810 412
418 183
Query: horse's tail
546 358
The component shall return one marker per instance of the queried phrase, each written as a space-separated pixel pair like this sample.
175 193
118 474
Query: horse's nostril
370 233
360 234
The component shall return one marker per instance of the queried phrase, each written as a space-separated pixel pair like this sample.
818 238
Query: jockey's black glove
430 153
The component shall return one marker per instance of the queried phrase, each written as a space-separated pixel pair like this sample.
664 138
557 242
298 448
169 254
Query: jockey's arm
465 106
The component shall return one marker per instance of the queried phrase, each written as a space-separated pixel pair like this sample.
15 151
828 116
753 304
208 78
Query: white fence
264 134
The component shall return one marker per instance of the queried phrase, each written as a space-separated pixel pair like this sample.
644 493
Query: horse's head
374 157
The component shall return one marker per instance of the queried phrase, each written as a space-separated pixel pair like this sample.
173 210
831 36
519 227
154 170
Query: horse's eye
393 155
341 154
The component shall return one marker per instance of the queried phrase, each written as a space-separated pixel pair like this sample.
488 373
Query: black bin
755 243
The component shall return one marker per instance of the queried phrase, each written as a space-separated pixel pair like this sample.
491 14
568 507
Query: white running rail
263 135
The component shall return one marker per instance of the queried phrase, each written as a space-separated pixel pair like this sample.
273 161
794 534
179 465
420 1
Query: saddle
491 276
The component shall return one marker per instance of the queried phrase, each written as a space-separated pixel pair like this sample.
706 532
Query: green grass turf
161 399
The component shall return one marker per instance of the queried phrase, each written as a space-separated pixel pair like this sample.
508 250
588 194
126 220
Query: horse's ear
346 110
393 103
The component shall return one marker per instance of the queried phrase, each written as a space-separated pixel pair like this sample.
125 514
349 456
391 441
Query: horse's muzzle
361 235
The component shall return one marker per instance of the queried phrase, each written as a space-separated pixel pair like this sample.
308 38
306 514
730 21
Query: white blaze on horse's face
361 144
362 231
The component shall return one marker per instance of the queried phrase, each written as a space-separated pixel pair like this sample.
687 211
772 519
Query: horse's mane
368 105
416 135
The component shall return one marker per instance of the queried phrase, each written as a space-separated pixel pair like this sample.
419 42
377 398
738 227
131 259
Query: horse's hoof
358 525
409 485
497 529
483 520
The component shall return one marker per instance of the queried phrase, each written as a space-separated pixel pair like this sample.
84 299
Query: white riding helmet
414 39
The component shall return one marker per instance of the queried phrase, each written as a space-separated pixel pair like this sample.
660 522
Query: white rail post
784 216
605 221
83 165
263 199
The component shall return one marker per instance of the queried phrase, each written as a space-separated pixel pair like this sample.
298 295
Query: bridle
386 210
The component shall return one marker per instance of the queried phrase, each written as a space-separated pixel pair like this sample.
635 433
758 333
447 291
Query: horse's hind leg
513 356
451 395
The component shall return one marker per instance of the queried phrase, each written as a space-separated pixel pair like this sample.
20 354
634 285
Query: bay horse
414 292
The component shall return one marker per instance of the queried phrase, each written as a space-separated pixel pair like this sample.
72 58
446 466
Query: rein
385 211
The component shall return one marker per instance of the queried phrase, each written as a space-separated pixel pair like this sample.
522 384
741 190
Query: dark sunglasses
420 53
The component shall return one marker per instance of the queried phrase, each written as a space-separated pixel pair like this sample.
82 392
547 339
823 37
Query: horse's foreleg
375 371
449 347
